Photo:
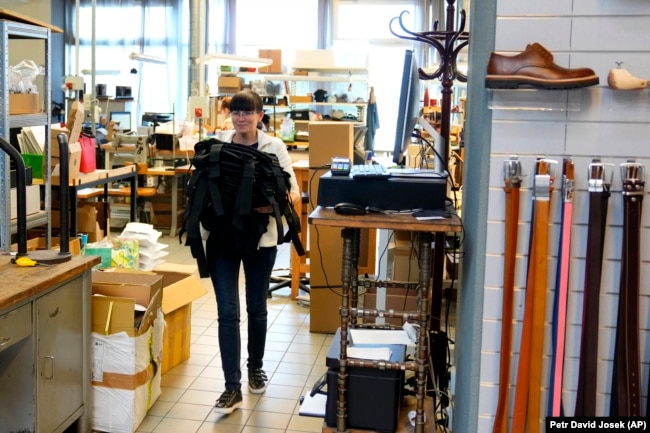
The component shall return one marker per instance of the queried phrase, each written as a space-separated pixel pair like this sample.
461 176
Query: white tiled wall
585 123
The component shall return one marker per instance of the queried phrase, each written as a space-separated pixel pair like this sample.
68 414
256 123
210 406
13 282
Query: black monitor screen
155 119
408 109
123 118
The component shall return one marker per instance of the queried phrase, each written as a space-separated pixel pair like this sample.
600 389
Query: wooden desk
299 265
351 226
174 174
100 177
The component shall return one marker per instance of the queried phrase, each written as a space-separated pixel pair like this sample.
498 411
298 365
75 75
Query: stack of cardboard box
140 329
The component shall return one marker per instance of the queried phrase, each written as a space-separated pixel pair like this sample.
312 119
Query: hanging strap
626 381
529 376
600 176
561 291
512 180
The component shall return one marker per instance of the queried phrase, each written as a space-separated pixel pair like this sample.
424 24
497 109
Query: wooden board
6 14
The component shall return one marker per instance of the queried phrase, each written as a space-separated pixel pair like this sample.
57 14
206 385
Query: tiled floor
294 360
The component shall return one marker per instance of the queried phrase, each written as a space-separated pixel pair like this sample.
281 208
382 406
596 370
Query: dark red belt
512 185
626 380
599 183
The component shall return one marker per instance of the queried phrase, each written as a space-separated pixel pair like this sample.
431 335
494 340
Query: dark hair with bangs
246 100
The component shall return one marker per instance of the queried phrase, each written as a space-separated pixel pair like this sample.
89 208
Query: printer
395 192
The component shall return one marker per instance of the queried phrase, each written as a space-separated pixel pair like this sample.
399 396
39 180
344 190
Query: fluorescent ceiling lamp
231 60
101 72
147 58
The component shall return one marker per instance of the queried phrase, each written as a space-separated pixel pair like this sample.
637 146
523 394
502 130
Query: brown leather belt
529 376
626 381
599 183
512 179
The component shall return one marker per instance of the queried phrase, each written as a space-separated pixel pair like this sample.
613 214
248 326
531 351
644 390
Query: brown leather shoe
534 67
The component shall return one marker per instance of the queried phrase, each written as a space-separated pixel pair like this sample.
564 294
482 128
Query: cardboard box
55 130
328 140
38 243
115 296
91 220
126 377
180 288
324 305
33 200
402 263
74 162
300 98
229 84
396 299
126 348
24 103
276 56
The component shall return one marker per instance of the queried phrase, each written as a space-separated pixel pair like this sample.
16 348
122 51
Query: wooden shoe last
621 79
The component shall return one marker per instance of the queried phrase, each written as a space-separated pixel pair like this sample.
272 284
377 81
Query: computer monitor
408 108
123 118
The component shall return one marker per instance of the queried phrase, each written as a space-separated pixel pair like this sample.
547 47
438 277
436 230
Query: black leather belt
599 183
626 381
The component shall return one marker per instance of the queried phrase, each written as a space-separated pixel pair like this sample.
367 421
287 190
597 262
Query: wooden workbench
45 328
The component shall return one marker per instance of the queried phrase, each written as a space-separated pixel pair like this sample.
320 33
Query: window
287 24
157 27
370 20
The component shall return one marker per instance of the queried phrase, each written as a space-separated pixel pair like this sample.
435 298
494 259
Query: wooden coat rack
448 43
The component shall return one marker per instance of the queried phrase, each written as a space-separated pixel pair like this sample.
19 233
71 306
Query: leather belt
529 376
600 176
626 383
512 180
561 291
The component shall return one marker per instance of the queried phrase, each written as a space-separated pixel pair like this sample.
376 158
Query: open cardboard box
126 349
74 162
179 288
115 295
91 220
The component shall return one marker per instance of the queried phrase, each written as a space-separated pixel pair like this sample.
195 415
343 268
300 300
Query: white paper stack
151 251
31 140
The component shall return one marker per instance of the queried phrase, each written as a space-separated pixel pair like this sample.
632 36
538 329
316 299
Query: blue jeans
224 266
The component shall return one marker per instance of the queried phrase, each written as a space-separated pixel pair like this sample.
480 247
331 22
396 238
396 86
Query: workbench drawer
15 325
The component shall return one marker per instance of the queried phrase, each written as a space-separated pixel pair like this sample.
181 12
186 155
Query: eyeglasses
243 113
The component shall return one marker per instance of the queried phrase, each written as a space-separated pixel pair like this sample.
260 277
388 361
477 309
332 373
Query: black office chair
281 281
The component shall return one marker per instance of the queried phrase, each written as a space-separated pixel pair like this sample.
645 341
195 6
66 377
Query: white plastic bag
22 77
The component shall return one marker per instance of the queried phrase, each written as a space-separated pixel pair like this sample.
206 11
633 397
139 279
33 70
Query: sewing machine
137 145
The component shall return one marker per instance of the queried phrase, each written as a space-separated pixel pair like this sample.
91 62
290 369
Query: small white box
33 198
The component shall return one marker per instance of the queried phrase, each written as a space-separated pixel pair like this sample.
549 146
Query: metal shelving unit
10 30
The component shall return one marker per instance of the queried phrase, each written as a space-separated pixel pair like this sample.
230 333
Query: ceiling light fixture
232 60
101 72
147 58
